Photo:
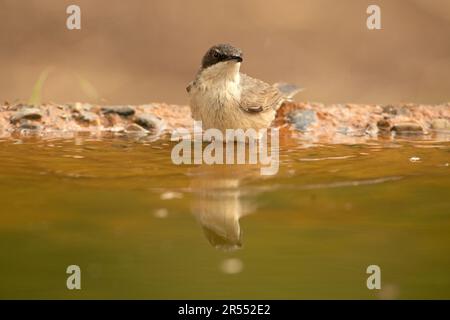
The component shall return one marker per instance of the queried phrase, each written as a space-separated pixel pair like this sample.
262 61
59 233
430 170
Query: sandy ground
311 120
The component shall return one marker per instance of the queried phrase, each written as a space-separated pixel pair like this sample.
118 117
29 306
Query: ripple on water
328 158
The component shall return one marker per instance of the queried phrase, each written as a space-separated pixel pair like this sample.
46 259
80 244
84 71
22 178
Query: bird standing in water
224 98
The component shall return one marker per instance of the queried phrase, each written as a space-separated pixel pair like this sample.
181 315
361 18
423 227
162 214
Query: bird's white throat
227 71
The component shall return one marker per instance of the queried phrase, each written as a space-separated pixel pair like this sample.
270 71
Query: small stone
88 117
407 128
80 107
393 110
120 110
440 124
28 125
20 106
135 128
384 125
390 109
148 121
404 111
26 113
302 119
414 159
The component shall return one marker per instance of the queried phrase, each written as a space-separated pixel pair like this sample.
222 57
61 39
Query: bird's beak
237 58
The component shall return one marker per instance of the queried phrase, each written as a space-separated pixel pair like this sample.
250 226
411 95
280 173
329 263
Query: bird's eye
216 54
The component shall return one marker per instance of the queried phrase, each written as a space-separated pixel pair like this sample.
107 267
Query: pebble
148 121
440 124
29 125
88 117
384 126
394 110
26 113
80 107
135 128
302 119
407 128
390 109
120 110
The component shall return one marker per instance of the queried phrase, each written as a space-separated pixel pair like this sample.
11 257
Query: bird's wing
258 96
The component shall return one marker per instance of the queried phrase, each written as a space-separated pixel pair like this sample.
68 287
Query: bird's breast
218 87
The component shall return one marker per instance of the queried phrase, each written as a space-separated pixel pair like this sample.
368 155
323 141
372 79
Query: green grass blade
88 88
36 94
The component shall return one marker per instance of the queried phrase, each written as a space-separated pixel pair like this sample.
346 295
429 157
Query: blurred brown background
142 51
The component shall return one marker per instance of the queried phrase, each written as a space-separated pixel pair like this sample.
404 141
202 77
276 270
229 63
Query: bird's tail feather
289 90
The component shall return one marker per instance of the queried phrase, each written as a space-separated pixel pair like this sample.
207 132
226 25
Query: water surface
142 227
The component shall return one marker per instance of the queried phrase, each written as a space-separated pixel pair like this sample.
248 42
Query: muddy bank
313 120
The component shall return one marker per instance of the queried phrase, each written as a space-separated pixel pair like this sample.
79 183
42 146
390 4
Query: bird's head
221 53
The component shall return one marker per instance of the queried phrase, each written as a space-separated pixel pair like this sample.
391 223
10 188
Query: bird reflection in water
221 196
219 202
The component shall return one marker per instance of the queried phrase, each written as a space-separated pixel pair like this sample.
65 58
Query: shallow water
142 227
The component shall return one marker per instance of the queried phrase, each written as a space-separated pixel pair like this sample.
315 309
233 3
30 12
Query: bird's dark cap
221 53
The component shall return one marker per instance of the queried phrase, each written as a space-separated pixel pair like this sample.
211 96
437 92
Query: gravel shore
313 120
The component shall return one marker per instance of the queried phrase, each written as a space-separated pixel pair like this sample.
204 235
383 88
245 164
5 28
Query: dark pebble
395 110
88 117
390 109
407 128
148 121
383 125
26 113
120 110
302 119
29 125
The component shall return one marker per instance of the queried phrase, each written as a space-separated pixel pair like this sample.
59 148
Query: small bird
224 98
